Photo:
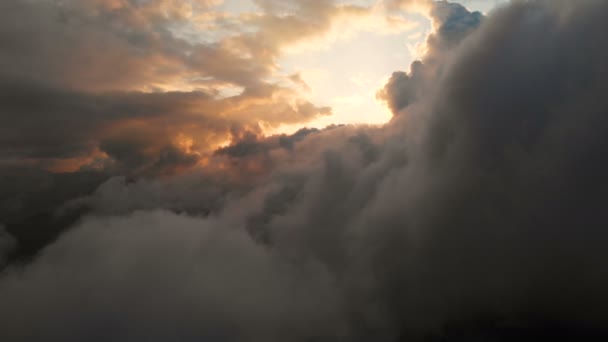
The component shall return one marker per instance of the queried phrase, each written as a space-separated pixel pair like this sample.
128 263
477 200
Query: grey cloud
31 201
510 160
84 45
185 274
64 123
8 245
403 88
248 143
136 129
478 216
454 22
226 178
287 141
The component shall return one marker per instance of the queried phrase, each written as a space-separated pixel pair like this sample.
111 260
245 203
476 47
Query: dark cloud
511 146
403 88
479 215
8 245
248 143
133 128
287 141
62 123
30 203
99 45
253 293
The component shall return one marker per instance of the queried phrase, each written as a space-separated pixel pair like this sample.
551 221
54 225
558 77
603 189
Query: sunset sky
344 66
203 70
303 170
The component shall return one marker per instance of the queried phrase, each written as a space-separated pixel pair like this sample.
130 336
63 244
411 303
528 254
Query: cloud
8 245
118 77
403 89
477 215
452 22
135 129
216 279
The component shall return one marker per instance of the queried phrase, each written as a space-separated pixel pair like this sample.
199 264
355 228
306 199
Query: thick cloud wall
483 200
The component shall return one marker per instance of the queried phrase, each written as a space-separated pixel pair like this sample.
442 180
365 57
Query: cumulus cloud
119 83
452 22
477 215
109 75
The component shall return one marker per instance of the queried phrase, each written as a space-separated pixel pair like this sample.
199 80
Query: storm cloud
477 213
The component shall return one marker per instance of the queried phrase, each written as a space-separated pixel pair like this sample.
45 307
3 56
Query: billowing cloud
452 23
110 75
104 70
476 214
247 291
403 88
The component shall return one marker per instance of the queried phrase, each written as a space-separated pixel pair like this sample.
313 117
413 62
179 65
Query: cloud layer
477 213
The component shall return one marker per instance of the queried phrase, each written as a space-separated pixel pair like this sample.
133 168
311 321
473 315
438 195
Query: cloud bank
477 213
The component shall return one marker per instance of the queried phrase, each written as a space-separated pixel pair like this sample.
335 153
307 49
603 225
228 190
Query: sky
267 67
346 73
344 68
298 170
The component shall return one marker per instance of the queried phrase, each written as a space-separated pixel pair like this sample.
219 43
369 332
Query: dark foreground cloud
7 245
478 213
